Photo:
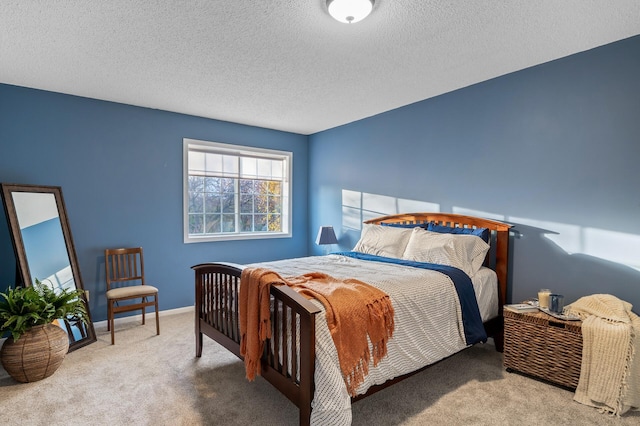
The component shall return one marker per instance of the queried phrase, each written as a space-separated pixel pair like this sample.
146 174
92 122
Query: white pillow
465 252
387 241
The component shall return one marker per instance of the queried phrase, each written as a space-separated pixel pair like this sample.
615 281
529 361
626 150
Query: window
235 192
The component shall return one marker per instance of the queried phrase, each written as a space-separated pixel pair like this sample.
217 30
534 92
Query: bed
297 359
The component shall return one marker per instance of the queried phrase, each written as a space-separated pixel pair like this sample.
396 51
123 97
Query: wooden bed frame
216 303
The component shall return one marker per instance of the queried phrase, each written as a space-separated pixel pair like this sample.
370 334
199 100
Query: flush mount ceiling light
349 11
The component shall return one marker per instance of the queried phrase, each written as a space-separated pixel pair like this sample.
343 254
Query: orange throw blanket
255 316
354 311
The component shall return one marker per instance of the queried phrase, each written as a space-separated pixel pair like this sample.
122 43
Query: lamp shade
349 11
326 236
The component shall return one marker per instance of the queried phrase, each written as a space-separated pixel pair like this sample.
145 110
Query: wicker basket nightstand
542 346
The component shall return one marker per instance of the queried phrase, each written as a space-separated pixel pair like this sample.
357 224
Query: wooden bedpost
502 271
307 368
198 304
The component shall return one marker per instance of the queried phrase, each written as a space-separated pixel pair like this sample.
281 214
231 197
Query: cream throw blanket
610 371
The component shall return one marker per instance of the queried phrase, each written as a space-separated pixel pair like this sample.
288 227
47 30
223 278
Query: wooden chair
125 282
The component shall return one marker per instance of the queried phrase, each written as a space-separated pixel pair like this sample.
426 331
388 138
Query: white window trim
236 150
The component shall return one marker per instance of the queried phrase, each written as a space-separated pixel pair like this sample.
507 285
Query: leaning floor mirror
44 248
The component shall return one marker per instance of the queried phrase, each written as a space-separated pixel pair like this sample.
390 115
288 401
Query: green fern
26 307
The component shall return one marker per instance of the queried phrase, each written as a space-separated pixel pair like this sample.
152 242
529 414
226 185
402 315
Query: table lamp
326 237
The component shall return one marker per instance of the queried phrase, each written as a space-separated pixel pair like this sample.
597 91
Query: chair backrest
124 266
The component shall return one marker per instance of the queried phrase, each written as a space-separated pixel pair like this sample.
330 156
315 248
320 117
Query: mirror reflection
44 250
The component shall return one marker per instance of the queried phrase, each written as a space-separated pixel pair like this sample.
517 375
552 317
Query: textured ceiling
286 64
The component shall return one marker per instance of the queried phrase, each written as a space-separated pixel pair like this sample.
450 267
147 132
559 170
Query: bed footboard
288 361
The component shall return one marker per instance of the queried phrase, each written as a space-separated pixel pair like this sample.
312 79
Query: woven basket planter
36 355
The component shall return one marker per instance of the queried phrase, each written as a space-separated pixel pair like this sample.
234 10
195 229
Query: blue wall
120 169
553 149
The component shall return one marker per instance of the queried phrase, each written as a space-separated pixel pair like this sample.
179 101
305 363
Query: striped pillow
384 241
465 252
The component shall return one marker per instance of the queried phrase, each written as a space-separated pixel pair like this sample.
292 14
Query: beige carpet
156 380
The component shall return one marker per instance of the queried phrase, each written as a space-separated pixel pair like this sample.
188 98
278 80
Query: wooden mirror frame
86 332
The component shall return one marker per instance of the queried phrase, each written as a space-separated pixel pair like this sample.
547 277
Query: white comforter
428 326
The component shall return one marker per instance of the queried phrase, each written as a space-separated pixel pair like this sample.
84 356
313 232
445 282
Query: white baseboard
149 316
123 320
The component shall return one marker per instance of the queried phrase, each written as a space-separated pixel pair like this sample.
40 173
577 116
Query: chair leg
110 322
144 309
157 317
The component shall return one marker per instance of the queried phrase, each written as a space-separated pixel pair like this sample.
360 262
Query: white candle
543 298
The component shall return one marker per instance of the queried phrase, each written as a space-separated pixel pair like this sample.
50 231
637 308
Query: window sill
236 237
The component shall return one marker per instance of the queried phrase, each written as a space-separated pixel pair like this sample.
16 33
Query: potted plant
37 346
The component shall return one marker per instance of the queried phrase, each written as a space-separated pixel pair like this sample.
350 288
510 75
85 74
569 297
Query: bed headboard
498 255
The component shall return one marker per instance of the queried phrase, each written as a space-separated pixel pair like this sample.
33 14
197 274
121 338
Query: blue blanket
472 321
